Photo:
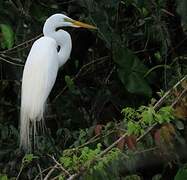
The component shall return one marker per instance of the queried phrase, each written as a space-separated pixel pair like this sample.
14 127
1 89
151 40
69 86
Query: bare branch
60 166
20 45
50 172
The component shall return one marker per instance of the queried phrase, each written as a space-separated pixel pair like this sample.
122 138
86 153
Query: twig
109 75
41 176
20 171
146 132
167 12
19 45
159 103
91 140
60 166
74 176
112 145
102 59
94 139
146 150
43 172
14 59
59 94
50 172
78 74
156 67
179 97
10 62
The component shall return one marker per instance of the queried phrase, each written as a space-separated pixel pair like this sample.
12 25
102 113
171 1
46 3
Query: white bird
40 73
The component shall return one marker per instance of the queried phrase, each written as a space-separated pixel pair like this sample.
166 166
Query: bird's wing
39 76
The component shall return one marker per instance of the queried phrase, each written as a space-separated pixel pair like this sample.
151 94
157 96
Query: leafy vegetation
118 107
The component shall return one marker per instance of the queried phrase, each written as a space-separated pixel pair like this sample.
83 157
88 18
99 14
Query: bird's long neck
63 39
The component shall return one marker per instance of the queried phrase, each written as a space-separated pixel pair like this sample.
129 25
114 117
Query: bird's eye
58 48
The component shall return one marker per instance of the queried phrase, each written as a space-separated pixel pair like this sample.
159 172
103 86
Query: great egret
40 72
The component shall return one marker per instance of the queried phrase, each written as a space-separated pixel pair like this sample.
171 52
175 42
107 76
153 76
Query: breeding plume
40 73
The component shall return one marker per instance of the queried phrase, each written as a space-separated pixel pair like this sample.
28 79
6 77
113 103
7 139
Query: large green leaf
182 173
131 72
7 39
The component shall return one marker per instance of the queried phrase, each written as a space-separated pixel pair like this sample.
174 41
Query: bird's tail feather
28 129
31 116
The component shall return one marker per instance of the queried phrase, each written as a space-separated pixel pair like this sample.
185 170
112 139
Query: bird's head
58 21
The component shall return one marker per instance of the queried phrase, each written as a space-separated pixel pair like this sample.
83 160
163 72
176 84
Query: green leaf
7 40
133 128
181 174
3 177
71 85
148 115
131 72
28 158
165 114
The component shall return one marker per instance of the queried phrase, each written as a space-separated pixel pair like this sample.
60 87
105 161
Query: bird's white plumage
38 79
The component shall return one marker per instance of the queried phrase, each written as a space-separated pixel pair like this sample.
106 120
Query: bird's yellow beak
81 24
84 25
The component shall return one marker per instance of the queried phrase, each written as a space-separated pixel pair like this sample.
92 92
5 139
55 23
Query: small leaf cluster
138 120
28 158
86 158
74 160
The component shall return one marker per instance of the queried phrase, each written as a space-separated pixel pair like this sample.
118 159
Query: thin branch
10 62
78 74
179 97
109 75
94 139
145 150
74 176
60 166
102 59
20 171
112 145
41 176
159 103
167 12
19 45
146 132
14 59
50 172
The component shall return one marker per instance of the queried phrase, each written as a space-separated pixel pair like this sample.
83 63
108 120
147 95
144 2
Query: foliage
181 174
3 177
138 50
7 40
145 117
131 72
